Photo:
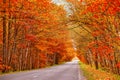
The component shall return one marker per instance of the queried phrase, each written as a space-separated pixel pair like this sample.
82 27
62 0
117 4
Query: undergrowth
92 74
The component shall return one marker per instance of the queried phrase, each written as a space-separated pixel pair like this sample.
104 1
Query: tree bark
4 33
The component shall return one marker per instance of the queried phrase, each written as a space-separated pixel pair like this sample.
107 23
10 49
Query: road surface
67 71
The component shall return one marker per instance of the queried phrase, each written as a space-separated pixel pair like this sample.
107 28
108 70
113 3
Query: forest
32 35
98 34
38 33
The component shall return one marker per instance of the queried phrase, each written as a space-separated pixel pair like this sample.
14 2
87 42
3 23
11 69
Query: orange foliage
118 65
34 36
82 58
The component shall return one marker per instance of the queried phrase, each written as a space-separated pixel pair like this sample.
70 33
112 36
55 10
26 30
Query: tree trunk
4 34
96 62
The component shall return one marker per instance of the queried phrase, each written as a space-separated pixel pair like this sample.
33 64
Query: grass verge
92 74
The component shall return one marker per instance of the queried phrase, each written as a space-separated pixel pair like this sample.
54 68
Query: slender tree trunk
4 33
96 56
9 36
96 62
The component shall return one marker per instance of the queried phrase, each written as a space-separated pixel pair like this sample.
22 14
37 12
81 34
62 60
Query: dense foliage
32 35
99 32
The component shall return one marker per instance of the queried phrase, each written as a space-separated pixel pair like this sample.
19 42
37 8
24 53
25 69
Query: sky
66 5
59 2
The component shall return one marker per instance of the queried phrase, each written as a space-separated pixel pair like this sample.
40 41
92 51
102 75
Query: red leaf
118 65
30 37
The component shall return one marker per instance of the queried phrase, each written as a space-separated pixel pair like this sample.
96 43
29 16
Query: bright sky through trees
66 5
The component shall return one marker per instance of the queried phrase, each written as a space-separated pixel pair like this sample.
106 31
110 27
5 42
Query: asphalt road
67 71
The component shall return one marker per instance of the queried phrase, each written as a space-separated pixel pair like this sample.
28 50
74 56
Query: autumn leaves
100 19
31 34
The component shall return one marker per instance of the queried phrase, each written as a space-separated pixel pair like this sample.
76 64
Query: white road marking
79 77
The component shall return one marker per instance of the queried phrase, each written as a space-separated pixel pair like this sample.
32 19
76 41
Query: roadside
67 71
92 74
13 72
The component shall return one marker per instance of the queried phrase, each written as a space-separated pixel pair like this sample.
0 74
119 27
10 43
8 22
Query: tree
100 19
33 34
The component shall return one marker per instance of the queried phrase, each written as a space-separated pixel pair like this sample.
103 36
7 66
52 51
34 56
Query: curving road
67 71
